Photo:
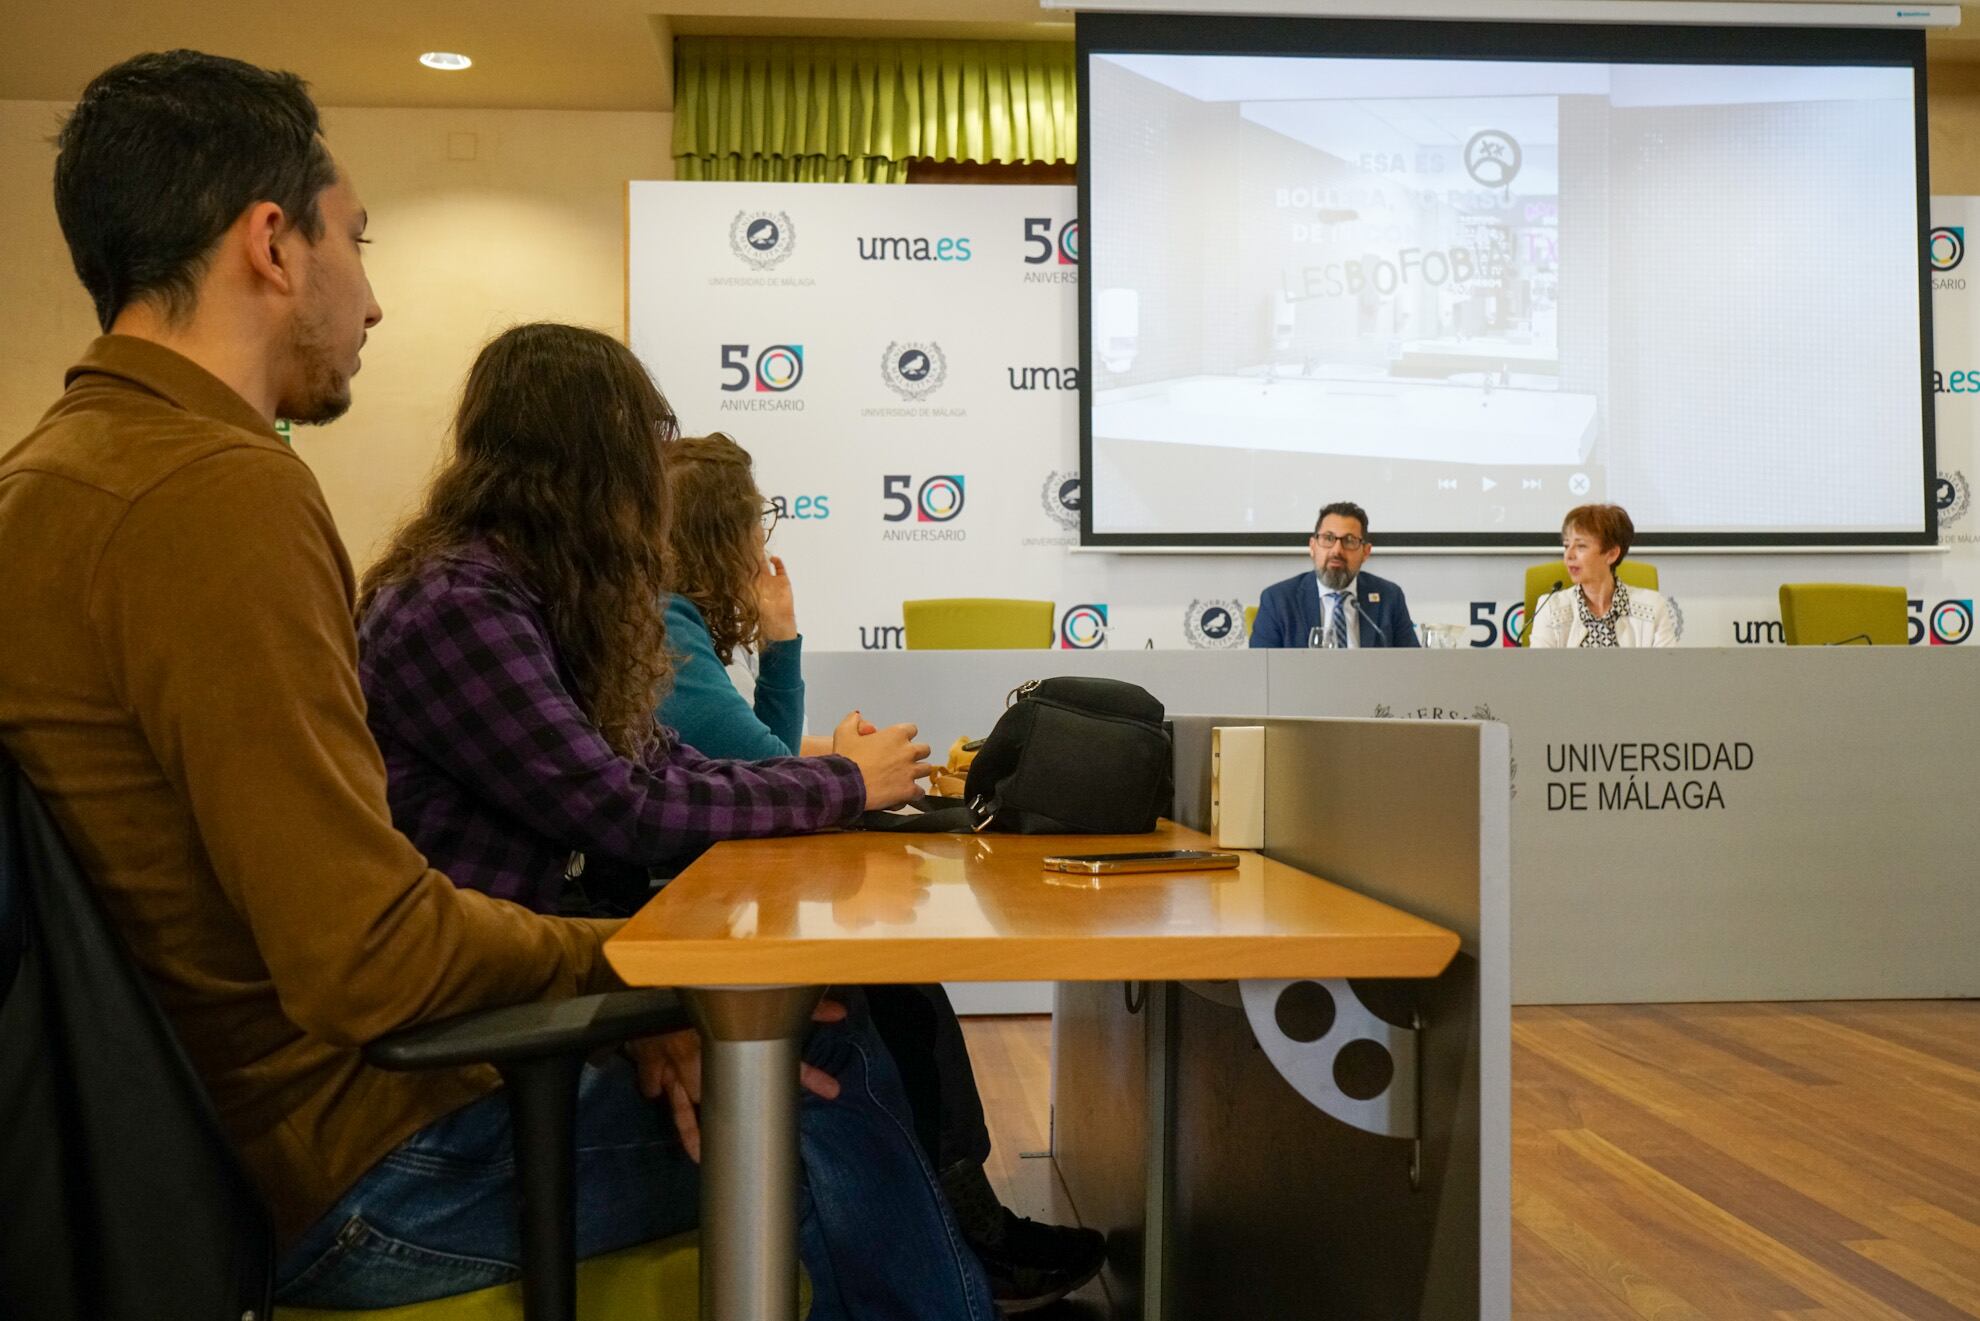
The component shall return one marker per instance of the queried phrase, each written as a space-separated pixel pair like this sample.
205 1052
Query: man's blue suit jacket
1288 612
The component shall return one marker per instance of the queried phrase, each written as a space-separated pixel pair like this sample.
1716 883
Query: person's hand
821 745
889 759
776 608
669 1066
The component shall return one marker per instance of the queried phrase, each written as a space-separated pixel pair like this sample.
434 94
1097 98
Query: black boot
1029 1264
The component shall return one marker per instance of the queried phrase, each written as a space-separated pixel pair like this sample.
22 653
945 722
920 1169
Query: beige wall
1953 114
46 313
533 227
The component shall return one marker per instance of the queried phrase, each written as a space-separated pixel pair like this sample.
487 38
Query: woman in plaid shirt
511 645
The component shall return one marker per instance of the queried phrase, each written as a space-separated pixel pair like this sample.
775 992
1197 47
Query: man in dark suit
1335 604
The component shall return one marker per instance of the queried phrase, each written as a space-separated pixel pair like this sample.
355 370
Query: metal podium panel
1266 1207
1827 860
1100 1123
1281 1211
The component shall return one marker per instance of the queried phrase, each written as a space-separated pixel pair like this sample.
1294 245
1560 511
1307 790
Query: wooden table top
886 907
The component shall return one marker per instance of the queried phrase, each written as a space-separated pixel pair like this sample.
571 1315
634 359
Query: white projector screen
1473 275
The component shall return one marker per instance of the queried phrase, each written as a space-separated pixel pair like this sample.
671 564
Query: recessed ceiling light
445 60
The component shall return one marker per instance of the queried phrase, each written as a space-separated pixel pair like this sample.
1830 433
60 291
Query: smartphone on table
1108 864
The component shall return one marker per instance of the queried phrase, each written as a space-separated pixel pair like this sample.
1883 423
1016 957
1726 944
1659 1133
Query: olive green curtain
848 111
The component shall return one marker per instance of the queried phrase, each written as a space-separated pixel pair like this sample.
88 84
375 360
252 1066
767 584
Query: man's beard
1334 578
326 392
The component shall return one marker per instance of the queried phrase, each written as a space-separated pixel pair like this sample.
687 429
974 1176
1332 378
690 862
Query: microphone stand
1369 619
1533 619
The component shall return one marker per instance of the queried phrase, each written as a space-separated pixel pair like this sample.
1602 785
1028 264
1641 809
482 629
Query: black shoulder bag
1073 755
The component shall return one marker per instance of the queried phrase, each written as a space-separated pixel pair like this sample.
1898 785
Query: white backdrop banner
903 364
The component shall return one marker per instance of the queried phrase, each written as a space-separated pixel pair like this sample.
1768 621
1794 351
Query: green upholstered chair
1821 614
977 623
1540 580
649 1282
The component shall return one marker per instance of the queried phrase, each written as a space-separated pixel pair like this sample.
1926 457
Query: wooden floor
1796 1162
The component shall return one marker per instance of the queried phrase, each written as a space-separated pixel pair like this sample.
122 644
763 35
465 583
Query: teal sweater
707 711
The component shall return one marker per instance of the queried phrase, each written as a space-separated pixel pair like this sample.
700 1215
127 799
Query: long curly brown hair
712 547
557 463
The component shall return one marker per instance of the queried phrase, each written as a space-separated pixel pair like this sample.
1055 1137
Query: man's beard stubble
1335 577
326 391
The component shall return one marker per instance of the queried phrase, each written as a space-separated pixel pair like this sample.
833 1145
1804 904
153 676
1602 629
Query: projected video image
1472 294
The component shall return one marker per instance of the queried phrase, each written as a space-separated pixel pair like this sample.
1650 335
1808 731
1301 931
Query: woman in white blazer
1598 611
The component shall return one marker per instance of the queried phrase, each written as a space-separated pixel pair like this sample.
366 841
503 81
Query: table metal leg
750 1043
1157 1269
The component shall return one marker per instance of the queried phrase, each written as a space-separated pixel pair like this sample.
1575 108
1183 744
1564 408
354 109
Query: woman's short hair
713 553
1608 524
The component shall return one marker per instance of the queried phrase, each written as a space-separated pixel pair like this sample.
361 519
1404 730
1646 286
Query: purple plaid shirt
498 776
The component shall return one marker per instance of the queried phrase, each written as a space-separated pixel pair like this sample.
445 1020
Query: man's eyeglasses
1348 543
772 511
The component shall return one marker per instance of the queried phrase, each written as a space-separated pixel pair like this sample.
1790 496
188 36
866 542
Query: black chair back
123 1200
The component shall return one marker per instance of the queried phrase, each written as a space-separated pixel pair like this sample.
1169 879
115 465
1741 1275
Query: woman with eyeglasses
731 597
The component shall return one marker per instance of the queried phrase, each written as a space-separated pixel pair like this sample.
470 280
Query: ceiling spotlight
445 60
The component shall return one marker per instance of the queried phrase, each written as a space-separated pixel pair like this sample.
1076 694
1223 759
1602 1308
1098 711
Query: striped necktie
1337 625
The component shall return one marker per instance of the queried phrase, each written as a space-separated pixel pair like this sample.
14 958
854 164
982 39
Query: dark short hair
1345 509
1608 524
163 153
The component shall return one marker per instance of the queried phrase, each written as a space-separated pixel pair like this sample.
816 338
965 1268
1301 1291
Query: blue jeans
437 1216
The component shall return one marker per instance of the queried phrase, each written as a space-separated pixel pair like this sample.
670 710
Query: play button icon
1486 483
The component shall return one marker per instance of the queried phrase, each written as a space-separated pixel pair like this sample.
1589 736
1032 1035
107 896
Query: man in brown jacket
179 683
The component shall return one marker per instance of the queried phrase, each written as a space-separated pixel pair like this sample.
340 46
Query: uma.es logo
773 371
882 637
881 248
1215 625
936 500
1083 628
801 508
914 369
762 239
1947 625
1043 378
1502 628
1946 247
1042 244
